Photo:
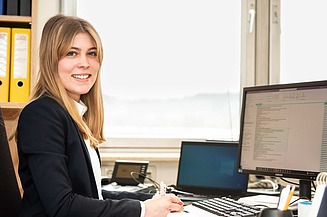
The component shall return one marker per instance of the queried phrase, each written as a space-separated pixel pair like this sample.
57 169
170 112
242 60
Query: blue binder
2 7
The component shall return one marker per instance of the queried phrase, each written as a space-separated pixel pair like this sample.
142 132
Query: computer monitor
283 131
209 168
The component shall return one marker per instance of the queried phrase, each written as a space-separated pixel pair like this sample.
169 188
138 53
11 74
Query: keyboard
224 206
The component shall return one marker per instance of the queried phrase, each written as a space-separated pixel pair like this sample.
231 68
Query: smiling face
78 69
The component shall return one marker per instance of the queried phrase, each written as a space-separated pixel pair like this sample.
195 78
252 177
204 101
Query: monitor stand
305 189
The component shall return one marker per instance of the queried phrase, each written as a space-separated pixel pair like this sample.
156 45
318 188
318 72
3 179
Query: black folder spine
12 7
25 8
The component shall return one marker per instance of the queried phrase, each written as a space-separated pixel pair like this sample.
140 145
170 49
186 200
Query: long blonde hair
57 36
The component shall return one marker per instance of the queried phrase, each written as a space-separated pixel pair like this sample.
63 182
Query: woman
60 129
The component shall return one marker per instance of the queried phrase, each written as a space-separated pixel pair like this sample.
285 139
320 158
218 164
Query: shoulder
44 104
44 109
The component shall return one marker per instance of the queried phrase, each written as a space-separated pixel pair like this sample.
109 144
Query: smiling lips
81 76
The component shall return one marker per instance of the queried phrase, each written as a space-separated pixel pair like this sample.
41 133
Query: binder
20 65
12 7
2 7
5 41
24 7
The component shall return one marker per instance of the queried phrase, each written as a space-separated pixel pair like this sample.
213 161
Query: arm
124 194
47 145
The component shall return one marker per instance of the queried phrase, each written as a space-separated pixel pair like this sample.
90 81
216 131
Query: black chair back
10 197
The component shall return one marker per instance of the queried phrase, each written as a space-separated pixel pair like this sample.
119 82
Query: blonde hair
57 36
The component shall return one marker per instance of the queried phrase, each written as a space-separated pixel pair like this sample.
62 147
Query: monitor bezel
204 190
297 174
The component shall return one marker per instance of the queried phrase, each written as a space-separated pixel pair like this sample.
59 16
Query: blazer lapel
89 164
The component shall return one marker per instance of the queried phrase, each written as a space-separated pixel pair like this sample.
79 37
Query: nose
84 62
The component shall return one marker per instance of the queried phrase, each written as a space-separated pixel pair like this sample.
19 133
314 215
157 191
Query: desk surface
191 211
266 200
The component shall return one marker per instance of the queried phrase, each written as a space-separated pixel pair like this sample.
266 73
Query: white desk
191 211
267 200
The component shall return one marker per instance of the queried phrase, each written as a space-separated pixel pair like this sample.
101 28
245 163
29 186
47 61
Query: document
5 34
192 211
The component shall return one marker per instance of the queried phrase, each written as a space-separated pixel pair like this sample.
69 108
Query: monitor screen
284 130
210 168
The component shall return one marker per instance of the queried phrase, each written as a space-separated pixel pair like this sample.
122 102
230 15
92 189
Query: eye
93 53
71 53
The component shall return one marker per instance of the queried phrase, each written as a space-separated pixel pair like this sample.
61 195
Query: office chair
10 197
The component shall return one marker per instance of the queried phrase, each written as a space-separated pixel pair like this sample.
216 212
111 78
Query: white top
93 155
82 108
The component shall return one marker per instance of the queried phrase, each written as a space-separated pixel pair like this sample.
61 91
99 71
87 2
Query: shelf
15 19
169 157
12 105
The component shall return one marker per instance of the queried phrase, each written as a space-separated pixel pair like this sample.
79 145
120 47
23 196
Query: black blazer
56 171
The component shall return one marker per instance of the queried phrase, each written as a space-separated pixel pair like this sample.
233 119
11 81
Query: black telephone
129 172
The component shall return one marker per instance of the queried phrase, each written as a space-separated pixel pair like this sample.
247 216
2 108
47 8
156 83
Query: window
171 68
303 40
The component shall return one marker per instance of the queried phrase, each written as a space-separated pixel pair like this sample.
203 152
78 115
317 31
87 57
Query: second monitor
284 131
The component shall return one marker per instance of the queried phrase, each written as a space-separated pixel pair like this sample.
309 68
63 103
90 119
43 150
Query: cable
169 189
273 184
156 184
285 180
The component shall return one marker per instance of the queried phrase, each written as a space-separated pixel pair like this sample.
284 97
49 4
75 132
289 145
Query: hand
161 205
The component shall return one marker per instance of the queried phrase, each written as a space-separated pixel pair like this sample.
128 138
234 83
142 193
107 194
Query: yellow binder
20 65
5 34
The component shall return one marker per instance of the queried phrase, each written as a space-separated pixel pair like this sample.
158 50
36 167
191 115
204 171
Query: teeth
81 76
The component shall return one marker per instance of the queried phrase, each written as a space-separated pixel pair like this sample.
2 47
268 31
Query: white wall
45 10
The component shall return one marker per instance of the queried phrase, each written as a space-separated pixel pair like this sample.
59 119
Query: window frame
256 49
259 64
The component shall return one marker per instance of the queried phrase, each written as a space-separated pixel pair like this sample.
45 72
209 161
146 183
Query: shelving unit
23 22
11 110
15 19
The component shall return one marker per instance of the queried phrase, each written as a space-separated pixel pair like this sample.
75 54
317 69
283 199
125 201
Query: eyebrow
76 48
